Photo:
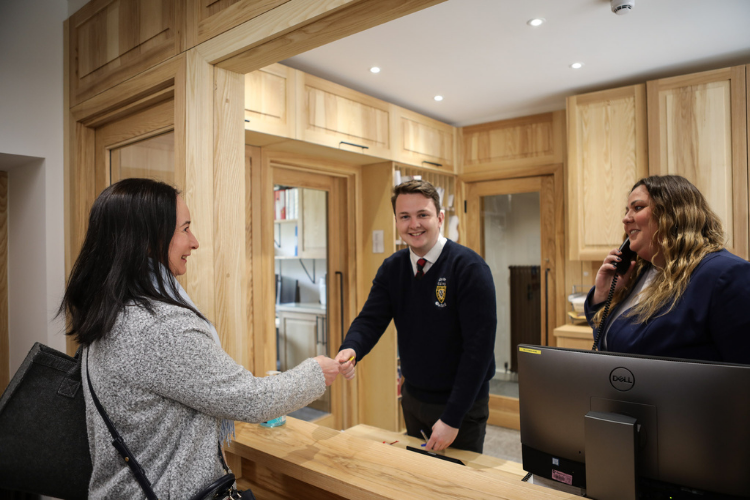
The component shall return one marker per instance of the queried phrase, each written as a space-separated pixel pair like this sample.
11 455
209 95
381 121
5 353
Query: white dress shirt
430 256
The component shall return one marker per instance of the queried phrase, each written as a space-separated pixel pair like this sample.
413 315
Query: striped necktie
420 268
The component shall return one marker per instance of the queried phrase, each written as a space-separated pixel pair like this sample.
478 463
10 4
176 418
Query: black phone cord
595 347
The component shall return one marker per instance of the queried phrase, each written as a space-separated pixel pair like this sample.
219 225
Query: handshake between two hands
342 364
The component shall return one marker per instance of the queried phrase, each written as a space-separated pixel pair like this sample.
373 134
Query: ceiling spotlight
438 98
537 21
374 69
576 65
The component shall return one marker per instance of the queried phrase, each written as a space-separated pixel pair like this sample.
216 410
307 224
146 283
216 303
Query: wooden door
697 127
338 263
607 154
542 234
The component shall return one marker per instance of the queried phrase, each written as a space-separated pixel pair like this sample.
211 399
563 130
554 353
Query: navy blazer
710 322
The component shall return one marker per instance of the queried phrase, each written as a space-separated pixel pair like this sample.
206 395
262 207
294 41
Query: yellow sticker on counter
530 351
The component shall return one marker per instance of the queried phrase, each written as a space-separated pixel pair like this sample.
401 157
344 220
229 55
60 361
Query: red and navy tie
420 268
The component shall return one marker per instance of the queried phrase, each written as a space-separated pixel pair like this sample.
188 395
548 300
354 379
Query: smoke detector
621 7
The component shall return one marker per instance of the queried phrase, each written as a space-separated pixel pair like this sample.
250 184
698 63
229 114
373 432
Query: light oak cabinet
270 104
378 373
514 144
281 102
607 154
423 141
302 333
697 128
338 117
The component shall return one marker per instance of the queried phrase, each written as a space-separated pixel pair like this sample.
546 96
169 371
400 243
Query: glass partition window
151 158
300 263
512 249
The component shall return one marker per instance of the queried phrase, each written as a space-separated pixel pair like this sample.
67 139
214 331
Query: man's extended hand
346 367
442 436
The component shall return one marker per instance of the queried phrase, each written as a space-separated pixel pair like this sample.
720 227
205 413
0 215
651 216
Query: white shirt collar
430 256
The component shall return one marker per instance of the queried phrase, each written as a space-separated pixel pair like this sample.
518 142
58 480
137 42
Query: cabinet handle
341 301
352 144
432 163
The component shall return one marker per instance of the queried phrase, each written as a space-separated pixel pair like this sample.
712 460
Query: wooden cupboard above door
270 105
208 18
607 154
113 40
698 129
424 142
338 117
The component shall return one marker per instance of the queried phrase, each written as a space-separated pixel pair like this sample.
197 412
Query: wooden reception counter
302 460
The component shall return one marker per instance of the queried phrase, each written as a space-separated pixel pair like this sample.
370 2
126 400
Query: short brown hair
417 187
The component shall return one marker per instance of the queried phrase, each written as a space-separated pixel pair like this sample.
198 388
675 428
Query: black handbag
44 447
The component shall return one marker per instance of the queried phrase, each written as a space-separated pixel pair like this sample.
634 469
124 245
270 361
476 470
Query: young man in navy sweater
442 299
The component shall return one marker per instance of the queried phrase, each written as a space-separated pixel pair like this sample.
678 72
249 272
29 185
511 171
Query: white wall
31 125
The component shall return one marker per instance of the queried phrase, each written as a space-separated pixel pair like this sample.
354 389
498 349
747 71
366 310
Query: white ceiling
490 65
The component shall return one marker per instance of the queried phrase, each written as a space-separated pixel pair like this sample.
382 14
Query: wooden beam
299 26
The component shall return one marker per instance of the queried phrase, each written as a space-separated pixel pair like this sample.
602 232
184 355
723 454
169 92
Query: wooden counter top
304 460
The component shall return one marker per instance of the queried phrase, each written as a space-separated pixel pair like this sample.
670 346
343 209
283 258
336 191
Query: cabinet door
606 156
423 142
313 234
208 18
269 100
341 118
298 341
113 40
697 129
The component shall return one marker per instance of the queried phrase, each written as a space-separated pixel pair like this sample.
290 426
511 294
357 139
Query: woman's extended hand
605 274
330 368
346 360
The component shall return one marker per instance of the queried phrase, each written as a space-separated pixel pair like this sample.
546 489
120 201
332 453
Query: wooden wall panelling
113 40
698 129
422 141
229 216
341 118
607 151
519 142
270 101
4 338
378 402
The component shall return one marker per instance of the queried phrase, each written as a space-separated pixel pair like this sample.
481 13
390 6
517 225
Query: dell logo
622 379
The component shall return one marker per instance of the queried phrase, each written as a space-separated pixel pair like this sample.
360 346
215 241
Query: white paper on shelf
450 201
453 228
441 193
396 177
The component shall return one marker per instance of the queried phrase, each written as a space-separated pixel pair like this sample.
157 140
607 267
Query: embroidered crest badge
440 291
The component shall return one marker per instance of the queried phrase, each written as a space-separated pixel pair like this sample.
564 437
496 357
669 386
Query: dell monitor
630 426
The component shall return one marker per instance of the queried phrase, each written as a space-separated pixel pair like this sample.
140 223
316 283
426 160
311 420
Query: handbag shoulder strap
119 443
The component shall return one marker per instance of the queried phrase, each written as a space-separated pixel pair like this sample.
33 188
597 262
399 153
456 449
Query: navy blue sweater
446 346
710 322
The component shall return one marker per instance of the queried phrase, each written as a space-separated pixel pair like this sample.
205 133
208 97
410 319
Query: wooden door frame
342 182
549 181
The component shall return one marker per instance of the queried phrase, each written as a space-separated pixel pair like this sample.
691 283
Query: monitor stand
610 456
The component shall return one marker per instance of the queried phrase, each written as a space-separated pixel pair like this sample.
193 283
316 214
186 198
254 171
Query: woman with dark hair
683 295
154 360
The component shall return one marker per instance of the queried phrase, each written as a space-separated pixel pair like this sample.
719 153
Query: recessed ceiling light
438 98
537 21
576 65
374 69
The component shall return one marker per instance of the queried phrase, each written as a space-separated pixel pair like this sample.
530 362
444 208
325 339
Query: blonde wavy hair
687 230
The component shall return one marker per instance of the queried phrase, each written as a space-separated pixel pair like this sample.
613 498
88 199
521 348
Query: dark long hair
130 227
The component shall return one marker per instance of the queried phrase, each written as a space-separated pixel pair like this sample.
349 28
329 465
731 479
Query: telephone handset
627 256
621 268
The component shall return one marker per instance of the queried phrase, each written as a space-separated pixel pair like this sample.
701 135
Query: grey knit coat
166 385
